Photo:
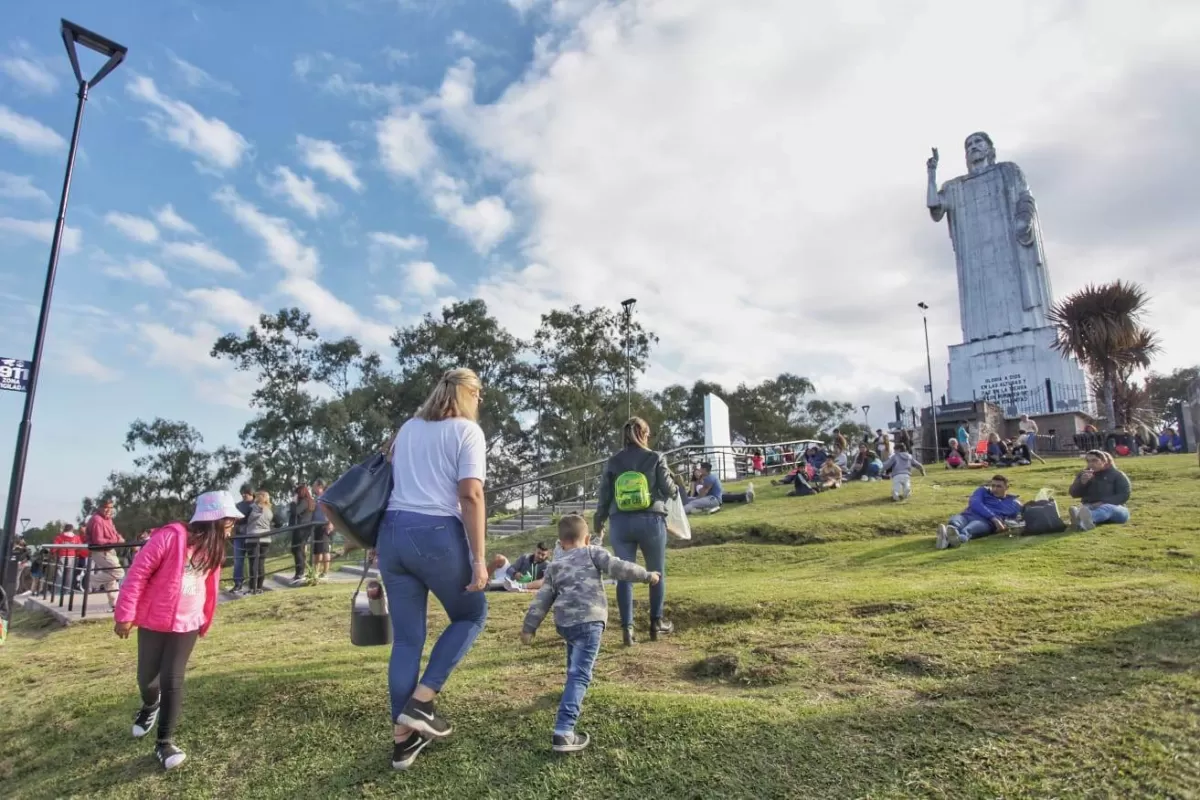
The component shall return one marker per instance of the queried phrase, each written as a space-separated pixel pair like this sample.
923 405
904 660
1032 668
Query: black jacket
635 459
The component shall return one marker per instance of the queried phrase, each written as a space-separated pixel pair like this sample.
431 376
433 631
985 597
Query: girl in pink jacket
170 594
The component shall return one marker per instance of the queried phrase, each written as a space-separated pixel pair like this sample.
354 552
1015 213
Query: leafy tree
1101 327
1165 391
44 534
172 469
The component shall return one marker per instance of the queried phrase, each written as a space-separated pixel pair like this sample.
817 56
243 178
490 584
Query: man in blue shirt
990 510
708 493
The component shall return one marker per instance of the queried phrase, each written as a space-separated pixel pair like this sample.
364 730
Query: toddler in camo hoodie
574 585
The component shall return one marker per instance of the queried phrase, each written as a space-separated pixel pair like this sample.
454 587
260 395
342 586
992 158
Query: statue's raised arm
933 199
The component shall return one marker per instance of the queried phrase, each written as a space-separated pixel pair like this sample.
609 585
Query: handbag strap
366 571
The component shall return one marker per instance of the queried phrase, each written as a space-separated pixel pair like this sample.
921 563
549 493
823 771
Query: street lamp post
866 418
929 367
73 36
628 306
25 524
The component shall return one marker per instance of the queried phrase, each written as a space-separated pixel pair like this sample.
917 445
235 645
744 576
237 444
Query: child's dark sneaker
424 720
406 752
570 742
143 721
169 755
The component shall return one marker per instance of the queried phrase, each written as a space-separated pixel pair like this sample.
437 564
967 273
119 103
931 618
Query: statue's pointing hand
932 162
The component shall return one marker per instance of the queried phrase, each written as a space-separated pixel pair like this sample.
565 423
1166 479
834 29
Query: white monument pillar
717 437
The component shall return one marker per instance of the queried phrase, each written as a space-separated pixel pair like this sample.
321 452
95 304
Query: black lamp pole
628 306
72 36
929 366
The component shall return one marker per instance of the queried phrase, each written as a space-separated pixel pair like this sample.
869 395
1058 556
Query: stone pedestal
1012 371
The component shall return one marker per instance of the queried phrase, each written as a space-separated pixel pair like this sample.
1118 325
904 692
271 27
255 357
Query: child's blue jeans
583 645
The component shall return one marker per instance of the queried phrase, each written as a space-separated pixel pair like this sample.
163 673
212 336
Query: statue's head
980 151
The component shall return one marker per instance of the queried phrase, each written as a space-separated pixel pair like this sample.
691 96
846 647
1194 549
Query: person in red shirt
68 558
107 572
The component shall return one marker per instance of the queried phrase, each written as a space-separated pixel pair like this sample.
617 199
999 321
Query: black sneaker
424 720
169 755
570 742
660 626
406 752
143 721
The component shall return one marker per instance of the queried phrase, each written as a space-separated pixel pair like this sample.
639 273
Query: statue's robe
1003 285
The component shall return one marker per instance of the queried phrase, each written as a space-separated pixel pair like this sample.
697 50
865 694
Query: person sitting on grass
863 464
955 457
995 449
1170 442
498 579
830 475
530 569
990 510
900 467
709 492
574 586
1103 491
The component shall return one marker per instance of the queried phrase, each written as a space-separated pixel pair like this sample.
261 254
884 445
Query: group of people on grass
432 540
1102 490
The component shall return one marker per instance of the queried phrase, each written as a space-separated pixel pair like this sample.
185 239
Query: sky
753 173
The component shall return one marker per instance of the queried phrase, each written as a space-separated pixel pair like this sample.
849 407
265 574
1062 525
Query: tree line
553 401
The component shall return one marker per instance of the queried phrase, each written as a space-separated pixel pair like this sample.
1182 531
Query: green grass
866 665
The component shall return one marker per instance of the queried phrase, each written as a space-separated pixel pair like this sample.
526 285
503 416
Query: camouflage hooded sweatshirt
574 585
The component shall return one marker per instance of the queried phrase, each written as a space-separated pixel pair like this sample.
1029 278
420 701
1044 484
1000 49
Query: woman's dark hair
209 540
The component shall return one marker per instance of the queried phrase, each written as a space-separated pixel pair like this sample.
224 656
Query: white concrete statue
1003 284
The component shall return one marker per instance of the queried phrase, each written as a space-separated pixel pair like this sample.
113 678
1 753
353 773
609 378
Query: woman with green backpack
634 491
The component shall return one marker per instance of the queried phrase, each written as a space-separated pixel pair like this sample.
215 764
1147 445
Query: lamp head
74 35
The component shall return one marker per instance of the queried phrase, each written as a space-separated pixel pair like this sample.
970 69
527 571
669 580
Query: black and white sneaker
570 742
169 755
406 752
424 720
143 721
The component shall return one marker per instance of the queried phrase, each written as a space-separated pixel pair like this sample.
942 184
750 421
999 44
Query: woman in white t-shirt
432 540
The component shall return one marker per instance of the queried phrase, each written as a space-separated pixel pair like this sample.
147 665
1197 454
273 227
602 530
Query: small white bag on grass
677 521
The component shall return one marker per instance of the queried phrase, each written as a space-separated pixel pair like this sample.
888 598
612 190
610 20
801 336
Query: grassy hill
866 664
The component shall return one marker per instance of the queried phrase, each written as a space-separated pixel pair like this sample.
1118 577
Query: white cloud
140 271
43 231
760 167
340 77
28 134
388 305
197 78
485 222
332 314
76 361
215 143
168 218
226 305
201 254
284 244
300 193
20 187
137 228
396 57
405 145
403 244
169 348
327 158
424 278
29 74
463 41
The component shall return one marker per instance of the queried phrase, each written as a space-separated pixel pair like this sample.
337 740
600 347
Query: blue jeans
239 561
971 529
648 532
419 554
583 645
1106 514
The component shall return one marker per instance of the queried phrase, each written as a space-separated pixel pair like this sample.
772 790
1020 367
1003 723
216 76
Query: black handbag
1041 516
356 502
370 623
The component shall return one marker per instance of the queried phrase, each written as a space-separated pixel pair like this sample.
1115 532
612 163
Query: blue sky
754 175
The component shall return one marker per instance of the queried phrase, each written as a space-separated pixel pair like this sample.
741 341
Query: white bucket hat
212 506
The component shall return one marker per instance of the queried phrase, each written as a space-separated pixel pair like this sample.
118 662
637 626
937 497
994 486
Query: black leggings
258 564
162 661
299 540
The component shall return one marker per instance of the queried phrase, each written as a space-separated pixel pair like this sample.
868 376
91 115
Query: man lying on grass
574 585
991 509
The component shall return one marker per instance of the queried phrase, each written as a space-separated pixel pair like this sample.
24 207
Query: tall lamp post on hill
628 305
929 367
73 37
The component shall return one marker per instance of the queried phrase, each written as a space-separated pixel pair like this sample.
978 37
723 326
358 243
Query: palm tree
1101 326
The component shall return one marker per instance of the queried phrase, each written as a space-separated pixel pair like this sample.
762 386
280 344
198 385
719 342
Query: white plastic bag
677 521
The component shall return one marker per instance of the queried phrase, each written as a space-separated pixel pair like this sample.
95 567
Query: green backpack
632 492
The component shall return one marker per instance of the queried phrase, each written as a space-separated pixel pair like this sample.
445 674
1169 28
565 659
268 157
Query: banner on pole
14 374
